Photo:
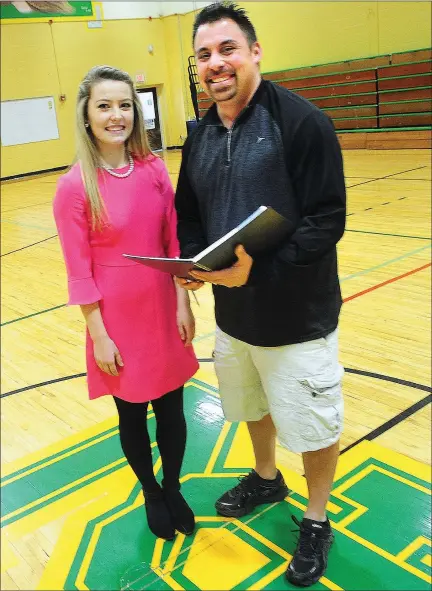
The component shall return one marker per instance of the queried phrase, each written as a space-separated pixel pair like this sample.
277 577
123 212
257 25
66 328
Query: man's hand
188 284
234 276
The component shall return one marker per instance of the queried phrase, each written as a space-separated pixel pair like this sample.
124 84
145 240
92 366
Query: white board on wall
30 120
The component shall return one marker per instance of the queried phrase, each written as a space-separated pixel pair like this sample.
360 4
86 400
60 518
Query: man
276 354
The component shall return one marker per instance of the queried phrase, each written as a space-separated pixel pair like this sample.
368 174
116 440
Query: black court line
204 360
424 180
379 376
32 315
370 208
29 245
385 234
33 386
211 360
377 179
387 176
405 414
27 176
347 230
25 207
64 379
396 420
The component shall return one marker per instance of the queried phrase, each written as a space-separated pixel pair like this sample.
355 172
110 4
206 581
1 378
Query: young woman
118 199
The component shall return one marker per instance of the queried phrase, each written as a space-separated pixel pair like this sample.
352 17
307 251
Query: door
148 98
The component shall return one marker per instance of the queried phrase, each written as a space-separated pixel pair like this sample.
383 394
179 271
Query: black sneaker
250 492
310 557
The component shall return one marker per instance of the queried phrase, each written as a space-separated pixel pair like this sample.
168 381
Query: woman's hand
185 323
107 355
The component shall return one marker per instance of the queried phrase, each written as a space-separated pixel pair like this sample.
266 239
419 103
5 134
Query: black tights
170 437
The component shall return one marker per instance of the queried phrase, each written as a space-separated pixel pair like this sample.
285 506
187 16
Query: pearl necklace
122 175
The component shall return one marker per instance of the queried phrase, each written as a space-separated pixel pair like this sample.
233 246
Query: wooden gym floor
72 515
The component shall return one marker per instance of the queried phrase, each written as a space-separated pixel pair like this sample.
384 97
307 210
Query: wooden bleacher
379 102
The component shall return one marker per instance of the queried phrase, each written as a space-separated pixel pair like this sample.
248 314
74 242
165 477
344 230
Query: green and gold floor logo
84 498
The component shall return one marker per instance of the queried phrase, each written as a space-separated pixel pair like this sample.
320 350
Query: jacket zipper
229 131
229 145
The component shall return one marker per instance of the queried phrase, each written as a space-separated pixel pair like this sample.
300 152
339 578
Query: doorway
149 103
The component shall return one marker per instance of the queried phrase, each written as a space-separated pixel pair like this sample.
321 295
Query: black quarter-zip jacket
282 152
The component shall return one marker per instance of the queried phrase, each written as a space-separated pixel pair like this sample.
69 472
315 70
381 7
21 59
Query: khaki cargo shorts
299 385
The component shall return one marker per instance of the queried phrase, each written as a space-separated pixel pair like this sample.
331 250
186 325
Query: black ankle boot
182 516
158 516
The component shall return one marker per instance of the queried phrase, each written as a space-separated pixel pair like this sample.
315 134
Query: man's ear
257 52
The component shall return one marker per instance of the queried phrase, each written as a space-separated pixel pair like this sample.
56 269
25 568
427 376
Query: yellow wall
29 69
177 74
186 23
23 76
39 60
404 26
297 34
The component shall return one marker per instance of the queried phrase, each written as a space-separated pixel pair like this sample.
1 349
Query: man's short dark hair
221 10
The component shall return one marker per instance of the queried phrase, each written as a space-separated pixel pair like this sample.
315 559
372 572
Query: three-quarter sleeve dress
138 304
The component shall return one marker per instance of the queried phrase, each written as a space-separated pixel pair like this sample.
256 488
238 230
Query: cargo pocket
322 408
320 386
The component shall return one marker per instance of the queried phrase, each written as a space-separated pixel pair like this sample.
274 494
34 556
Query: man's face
227 65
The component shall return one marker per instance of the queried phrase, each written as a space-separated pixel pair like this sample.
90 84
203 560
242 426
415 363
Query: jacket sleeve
315 164
73 229
190 229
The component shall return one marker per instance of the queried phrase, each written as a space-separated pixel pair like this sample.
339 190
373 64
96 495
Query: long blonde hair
87 153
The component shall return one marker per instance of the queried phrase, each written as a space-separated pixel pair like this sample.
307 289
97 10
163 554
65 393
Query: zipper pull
229 146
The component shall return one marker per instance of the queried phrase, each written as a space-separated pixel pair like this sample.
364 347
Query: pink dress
138 304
